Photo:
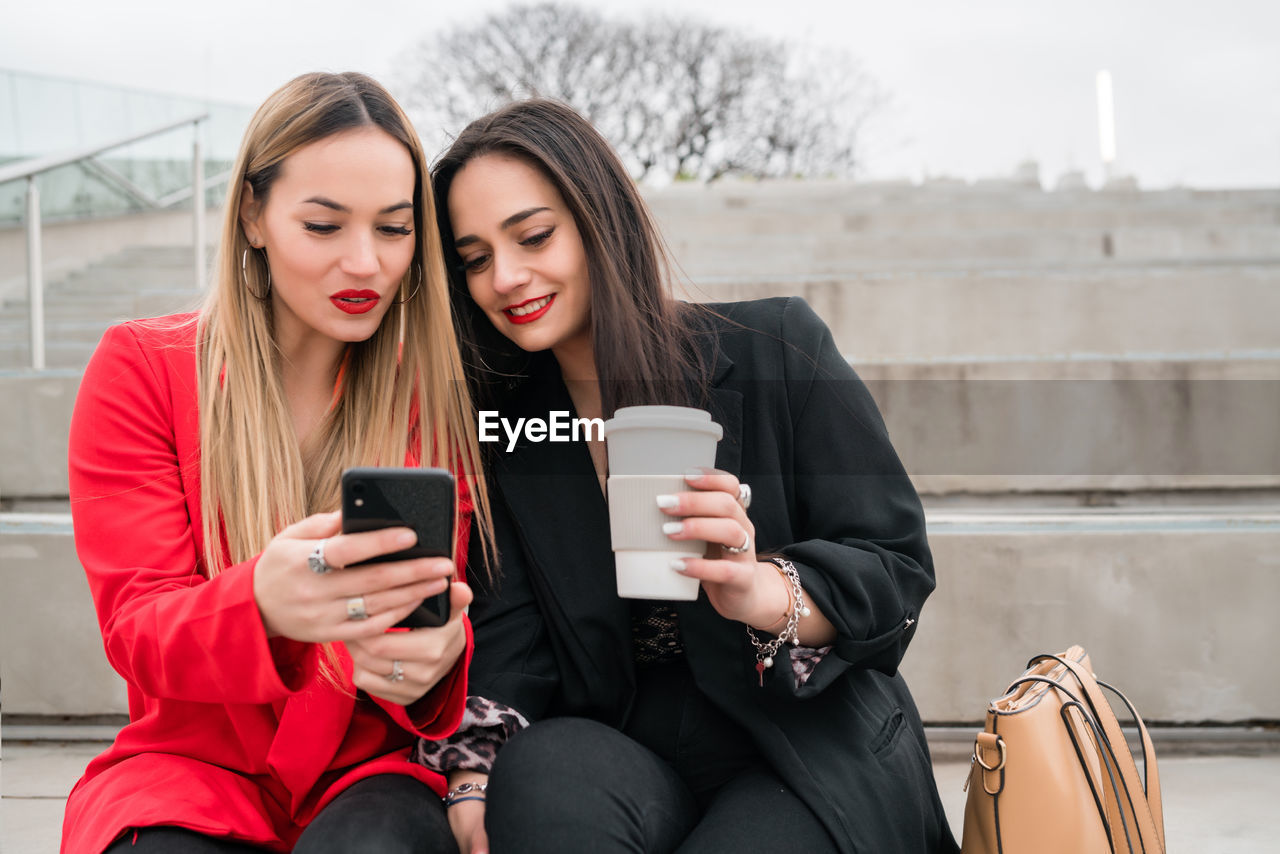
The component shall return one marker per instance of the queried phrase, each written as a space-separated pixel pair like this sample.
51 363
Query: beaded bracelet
791 631
455 796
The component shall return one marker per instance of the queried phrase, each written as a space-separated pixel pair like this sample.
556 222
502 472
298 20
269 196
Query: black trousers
388 814
678 777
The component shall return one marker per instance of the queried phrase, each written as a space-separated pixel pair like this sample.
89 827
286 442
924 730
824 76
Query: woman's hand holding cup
732 579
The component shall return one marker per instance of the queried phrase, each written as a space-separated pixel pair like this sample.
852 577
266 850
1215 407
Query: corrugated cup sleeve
635 522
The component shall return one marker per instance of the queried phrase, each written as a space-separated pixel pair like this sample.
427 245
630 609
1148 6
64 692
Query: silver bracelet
456 796
791 632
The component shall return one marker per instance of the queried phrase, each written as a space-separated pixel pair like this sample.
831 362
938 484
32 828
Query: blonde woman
270 708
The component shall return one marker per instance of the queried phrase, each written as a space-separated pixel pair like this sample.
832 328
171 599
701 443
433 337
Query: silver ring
355 609
746 544
316 562
744 495
397 671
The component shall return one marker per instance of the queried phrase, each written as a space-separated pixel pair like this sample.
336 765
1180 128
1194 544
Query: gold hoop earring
417 287
244 275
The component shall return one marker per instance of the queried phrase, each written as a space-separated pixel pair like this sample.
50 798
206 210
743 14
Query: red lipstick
355 302
533 315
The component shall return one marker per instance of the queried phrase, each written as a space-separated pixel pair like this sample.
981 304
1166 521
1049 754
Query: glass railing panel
42 115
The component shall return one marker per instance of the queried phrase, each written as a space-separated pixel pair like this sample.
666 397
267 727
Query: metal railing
30 169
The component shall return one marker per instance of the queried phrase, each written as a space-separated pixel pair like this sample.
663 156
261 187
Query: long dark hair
641 337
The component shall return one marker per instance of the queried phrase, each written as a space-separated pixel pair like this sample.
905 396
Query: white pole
1106 124
35 275
197 202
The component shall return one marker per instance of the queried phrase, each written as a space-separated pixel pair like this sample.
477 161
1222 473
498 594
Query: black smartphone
417 498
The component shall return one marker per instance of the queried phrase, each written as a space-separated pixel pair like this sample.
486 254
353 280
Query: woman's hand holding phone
300 604
420 657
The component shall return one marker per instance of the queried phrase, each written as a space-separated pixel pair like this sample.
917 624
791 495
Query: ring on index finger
316 562
744 495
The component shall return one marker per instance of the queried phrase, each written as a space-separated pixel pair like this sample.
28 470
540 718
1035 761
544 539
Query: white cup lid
663 418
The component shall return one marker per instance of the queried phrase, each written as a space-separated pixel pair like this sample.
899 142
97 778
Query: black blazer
553 638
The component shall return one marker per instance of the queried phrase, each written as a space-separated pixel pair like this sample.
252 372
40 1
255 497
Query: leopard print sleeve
486 726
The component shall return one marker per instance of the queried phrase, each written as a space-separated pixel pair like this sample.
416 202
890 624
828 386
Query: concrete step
948 315
126 271
1172 606
1015 427
831 226
715 247
1213 804
77 308
828 214
15 325
1006 428
931 315
821 204
123 280
46 594
137 281
172 255
73 328
58 355
34 422
121 284
90 306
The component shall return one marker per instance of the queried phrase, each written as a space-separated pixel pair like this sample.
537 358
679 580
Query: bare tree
678 98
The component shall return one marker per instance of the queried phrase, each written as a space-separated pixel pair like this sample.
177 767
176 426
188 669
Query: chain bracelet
765 651
463 793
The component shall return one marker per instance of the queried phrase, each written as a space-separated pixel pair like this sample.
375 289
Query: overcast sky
977 86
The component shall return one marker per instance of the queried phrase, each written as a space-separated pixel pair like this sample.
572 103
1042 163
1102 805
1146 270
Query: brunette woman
766 716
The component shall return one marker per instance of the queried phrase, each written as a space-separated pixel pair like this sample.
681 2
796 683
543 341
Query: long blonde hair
400 391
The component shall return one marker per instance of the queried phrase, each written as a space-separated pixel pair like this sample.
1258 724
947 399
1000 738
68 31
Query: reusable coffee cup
650 449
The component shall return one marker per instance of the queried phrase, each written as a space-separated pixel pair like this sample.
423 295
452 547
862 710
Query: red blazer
229 734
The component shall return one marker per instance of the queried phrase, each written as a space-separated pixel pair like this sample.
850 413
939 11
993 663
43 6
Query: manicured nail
693 474
667 502
672 527
678 565
406 538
